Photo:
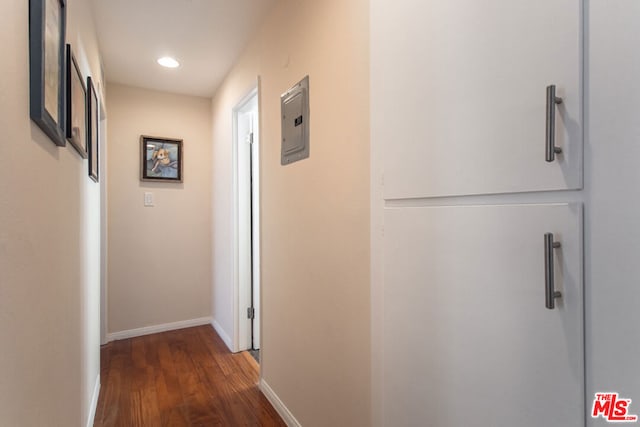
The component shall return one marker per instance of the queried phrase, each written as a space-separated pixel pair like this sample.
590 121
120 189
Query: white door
247 223
464 86
244 231
255 229
465 316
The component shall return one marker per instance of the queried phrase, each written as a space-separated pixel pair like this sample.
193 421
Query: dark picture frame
93 133
161 159
76 117
47 27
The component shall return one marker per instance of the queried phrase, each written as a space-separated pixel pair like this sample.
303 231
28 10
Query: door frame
242 297
104 227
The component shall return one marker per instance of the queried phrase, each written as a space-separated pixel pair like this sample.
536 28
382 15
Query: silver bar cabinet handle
552 100
550 293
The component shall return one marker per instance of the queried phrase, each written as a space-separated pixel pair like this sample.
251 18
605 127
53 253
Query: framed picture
76 117
93 121
160 159
47 22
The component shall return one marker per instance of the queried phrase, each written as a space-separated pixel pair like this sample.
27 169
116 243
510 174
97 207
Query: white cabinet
461 201
467 338
459 95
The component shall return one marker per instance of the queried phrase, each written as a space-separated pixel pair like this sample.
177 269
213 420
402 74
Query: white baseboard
94 403
131 333
223 334
282 410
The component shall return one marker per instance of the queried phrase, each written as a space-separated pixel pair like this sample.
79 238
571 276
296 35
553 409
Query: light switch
148 198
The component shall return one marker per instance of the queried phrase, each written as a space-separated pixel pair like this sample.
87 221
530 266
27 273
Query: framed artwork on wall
47 26
76 117
160 159
93 121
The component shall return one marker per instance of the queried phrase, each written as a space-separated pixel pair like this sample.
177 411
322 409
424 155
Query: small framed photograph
93 120
160 159
47 26
76 125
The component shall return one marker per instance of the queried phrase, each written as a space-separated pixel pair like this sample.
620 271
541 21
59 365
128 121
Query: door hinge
251 313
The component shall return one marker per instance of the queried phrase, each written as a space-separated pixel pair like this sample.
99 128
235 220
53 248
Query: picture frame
76 113
47 28
161 159
93 122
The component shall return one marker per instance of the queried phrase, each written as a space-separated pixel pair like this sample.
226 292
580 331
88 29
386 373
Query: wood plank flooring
180 378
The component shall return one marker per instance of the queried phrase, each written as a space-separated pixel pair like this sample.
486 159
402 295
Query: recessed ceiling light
169 62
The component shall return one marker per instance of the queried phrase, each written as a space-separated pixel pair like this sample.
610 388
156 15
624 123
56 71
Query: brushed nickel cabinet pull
550 293
552 101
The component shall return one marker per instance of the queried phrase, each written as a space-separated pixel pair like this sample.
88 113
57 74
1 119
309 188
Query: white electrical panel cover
295 122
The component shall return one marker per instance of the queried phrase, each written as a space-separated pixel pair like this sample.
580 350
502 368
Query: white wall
314 213
612 160
159 257
49 245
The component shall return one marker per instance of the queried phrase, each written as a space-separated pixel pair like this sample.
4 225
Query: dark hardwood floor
180 378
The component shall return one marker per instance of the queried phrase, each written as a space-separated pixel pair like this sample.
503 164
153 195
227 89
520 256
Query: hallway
185 377
463 232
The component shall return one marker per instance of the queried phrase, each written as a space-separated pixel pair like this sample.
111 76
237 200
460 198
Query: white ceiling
205 36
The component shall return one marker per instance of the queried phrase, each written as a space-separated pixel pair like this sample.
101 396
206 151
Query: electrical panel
294 105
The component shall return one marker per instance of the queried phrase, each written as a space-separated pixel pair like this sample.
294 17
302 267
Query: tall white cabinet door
467 338
458 92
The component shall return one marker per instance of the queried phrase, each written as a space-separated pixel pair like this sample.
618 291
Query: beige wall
315 213
49 245
159 257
